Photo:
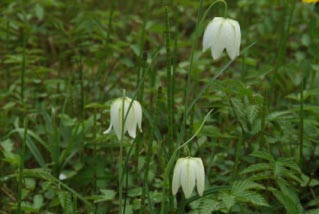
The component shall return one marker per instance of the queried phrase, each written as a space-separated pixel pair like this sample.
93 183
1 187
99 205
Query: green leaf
38 201
290 206
263 155
106 195
252 197
288 198
239 187
228 199
252 112
313 211
66 202
257 167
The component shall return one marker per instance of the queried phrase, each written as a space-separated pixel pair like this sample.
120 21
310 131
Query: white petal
130 122
188 177
116 117
138 114
109 129
209 33
237 36
218 41
231 35
200 175
177 176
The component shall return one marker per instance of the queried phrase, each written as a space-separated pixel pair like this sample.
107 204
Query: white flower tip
108 130
62 176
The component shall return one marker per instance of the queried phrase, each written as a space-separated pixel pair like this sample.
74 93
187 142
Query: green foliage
62 63
241 192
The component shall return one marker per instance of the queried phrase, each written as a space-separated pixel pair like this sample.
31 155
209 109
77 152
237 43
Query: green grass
63 63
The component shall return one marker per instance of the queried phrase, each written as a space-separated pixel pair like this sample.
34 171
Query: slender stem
23 64
301 117
237 154
121 155
22 165
187 89
169 84
7 77
210 7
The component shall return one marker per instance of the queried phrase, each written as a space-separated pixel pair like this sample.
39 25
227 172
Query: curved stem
210 7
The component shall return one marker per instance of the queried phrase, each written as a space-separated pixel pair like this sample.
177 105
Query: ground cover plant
154 106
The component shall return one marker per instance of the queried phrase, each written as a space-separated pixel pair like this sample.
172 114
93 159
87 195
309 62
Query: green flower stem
20 179
187 90
7 78
23 63
170 104
210 6
301 116
121 154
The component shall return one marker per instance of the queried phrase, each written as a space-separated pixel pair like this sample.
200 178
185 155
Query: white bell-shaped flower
133 119
188 172
222 33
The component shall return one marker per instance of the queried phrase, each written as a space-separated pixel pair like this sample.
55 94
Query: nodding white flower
222 33
188 172
133 119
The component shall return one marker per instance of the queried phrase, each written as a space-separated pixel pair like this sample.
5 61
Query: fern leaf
263 155
257 167
252 197
241 186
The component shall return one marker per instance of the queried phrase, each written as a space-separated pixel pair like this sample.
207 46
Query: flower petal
209 33
177 176
200 175
188 177
130 122
116 117
218 40
138 114
231 32
109 129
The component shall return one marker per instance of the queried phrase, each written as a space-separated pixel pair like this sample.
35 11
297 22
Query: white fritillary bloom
133 119
188 172
222 33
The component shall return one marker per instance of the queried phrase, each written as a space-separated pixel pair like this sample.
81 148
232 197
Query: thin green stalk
121 156
142 55
141 72
95 151
169 97
239 142
81 88
174 65
280 57
187 89
210 7
55 144
125 172
301 118
23 64
20 180
150 154
238 154
7 78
